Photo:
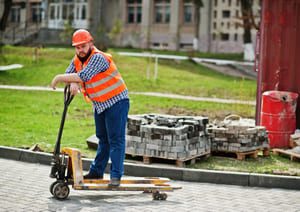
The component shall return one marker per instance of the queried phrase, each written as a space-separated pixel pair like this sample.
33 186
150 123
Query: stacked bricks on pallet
167 137
237 137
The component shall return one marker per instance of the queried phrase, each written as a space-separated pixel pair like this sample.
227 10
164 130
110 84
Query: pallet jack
67 169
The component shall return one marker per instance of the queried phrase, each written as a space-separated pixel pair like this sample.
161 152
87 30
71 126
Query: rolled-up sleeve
97 64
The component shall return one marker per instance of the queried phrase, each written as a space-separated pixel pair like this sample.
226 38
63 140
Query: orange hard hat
81 36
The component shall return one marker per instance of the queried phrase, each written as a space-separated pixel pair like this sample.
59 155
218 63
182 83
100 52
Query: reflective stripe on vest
102 81
108 89
103 85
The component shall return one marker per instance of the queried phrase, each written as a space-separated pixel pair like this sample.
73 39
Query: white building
164 24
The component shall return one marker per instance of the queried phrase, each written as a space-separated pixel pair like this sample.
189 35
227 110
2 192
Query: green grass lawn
184 77
33 117
272 164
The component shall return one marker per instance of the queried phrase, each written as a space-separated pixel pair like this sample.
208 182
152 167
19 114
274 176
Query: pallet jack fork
67 169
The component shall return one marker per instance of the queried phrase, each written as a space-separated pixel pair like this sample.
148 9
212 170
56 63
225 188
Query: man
102 84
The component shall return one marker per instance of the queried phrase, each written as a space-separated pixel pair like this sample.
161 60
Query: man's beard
83 59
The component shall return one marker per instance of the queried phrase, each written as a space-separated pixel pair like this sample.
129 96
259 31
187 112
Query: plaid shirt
97 64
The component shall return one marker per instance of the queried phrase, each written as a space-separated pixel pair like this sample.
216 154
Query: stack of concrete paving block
238 136
168 137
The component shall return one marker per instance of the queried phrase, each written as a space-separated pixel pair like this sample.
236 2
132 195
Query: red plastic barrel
278 116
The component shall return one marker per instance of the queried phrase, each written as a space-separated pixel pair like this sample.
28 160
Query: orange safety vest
103 85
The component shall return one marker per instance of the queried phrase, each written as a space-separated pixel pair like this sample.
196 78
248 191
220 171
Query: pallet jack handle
57 170
68 97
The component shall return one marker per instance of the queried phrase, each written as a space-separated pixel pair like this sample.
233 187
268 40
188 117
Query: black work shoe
114 182
92 176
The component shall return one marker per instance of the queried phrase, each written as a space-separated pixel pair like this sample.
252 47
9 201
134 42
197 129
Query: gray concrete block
25 155
142 170
218 177
271 181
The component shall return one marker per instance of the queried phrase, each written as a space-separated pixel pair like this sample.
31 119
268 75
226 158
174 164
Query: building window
215 14
162 11
15 14
160 45
54 11
36 12
235 36
188 11
68 11
237 3
215 25
224 36
228 25
216 3
134 11
237 13
186 45
229 3
83 12
214 36
226 14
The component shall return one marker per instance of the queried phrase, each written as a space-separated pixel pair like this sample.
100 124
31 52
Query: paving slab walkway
25 187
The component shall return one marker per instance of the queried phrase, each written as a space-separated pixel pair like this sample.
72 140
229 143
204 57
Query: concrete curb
184 174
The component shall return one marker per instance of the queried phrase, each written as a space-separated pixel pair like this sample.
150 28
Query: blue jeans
111 130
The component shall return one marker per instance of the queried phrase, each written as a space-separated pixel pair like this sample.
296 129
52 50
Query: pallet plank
293 156
181 162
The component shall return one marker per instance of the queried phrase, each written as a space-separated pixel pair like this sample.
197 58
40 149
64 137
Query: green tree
6 5
248 19
248 24
66 34
115 32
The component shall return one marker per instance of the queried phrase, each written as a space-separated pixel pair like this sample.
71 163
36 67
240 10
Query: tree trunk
247 16
4 18
198 4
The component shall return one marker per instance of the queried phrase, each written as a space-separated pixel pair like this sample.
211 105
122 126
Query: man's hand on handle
73 79
74 88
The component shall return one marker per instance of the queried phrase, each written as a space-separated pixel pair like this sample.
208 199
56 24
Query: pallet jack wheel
159 196
164 196
60 190
52 186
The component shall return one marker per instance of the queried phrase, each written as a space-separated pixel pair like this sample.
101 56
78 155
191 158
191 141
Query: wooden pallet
265 151
243 155
237 155
177 162
293 156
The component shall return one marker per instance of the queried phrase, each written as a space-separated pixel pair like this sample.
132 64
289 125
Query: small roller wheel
52 186
61 190
159 196
164 196
156 195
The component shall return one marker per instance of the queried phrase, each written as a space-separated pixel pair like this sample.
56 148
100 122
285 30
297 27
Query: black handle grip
68 97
